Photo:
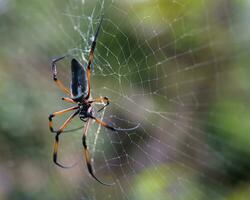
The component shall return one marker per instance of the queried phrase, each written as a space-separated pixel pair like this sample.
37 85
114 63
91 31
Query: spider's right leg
104 124
101 100
54 72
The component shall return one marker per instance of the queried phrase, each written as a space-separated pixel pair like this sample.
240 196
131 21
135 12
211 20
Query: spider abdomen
79 81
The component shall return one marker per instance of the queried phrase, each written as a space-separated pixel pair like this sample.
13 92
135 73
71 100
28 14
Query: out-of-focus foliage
149 185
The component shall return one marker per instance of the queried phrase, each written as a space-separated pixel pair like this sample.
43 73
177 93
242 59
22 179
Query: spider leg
68 100
54 71
56 143
74 129
51 116
91 57
104 124
87 155
101 100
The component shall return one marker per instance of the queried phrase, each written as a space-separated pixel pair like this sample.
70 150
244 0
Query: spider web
172 67
165 70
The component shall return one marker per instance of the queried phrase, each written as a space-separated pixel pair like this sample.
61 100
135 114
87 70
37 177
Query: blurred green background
179 68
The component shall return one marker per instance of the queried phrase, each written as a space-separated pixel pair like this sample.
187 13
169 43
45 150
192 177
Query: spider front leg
101 100
54 72
87 154
91 57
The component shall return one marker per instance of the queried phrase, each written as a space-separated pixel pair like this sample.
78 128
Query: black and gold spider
79 94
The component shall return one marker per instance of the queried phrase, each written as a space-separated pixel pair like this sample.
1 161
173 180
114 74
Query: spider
79 94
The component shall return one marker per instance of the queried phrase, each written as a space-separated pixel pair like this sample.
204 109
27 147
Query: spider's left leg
68 100
51 116
101 100
91 57
104 124
54 72
87 154
56 144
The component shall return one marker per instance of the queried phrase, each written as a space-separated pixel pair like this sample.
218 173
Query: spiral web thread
152 77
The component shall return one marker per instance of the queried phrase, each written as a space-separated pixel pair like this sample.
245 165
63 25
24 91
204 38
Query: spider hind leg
88 157
58 132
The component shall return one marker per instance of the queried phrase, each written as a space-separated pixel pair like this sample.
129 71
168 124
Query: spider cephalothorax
85 111
79 94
